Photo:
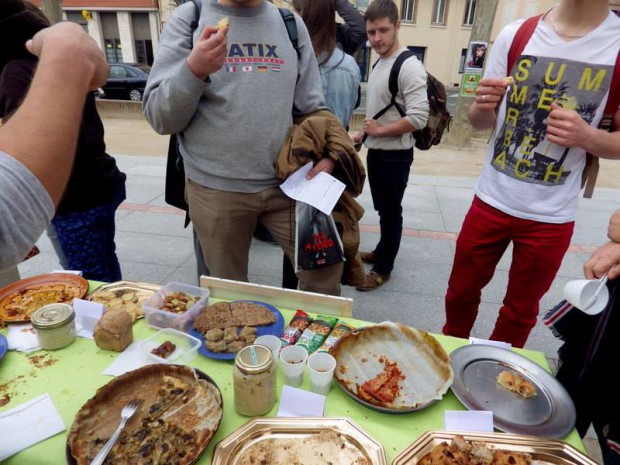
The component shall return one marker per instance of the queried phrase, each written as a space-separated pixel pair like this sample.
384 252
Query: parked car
126 81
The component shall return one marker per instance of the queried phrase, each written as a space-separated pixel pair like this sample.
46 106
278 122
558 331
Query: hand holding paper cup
321 366
293 362
588 295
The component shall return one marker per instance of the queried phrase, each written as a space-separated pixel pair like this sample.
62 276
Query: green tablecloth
72 375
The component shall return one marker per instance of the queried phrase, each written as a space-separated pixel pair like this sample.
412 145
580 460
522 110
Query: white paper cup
272 342
293 363
579 291
321 366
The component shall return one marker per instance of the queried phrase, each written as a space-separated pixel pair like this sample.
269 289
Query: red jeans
538 250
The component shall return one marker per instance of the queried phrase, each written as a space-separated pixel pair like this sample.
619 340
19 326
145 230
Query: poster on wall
470 82
476 54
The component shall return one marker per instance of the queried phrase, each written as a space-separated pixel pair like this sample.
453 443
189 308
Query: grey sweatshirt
232 127
25 211
411 96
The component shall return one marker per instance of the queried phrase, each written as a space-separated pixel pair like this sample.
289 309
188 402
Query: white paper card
131 358
476 420
295 402
87 314
28 424
487 342
322 191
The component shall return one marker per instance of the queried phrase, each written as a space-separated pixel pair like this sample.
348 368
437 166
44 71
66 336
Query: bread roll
114 331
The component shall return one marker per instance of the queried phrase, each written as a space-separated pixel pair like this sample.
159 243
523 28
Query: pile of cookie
230 326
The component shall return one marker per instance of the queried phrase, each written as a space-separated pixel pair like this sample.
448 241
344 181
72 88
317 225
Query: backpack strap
520 40
291 28
194 24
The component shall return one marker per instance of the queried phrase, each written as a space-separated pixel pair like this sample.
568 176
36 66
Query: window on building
470 11
419 52
462 61
407 11
76 17
440 12
144 51
113 51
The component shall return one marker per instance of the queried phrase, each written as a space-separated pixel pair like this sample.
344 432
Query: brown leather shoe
368 257
372 281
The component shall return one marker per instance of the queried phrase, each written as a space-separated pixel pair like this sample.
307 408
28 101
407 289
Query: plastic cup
321 366
293 363
272 342
580 291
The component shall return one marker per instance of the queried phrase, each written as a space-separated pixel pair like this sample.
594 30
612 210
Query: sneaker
372 281
368 257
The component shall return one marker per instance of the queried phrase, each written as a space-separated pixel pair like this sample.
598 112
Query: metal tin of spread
54 325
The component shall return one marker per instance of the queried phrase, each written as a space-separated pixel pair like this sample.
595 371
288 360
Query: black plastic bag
317 241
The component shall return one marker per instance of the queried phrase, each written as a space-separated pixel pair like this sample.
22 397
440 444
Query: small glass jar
254 379
54 325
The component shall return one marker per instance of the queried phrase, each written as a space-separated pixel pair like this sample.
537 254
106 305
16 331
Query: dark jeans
388 173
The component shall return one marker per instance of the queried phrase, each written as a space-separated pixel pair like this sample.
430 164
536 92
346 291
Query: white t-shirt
525 175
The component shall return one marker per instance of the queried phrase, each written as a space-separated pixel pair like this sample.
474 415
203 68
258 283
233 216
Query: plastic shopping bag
317 242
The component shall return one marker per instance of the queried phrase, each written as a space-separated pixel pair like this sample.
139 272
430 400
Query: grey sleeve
308 90
26 209
412 83
173 92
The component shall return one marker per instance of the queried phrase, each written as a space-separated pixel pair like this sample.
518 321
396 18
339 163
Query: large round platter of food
226 327
180 409
472 448
393 368
524 397
312 441
19 300
124 295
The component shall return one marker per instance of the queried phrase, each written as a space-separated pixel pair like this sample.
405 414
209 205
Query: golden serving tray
542 450
142 292
229 449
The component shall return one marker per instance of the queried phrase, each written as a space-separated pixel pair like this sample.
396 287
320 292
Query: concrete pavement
154 247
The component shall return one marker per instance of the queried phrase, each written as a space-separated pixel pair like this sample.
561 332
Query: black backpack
174 193
438 116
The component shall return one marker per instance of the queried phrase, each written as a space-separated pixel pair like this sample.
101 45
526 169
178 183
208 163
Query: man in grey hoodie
230 93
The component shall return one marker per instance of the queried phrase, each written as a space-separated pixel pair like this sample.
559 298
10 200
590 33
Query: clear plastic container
184 352
159 318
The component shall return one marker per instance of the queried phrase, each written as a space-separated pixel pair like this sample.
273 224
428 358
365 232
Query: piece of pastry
230 334
509 80
217 346
222 23
114 331
524 388
215 334
506 379
235 346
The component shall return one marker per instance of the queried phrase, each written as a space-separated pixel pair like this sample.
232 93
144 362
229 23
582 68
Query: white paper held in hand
322 191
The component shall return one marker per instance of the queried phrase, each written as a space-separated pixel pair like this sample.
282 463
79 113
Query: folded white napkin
23 338
87 314
130 359
28 424
295 402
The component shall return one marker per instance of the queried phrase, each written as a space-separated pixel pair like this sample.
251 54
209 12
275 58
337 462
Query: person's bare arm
398 127
42 134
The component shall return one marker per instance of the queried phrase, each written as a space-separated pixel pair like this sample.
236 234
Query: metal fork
126 414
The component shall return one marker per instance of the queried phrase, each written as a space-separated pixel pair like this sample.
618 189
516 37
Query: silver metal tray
550 413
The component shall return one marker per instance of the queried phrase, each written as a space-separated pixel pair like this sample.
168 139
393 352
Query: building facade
438 31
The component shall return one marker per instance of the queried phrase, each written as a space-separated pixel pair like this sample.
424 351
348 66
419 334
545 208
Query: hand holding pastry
210 50
490 92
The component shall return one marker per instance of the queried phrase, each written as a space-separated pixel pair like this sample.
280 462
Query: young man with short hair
389 140
527 195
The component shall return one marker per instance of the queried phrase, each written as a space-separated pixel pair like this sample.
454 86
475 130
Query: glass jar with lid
54 325
254 379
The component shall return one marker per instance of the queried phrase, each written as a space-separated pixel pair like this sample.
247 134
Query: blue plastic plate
274 329
3 346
